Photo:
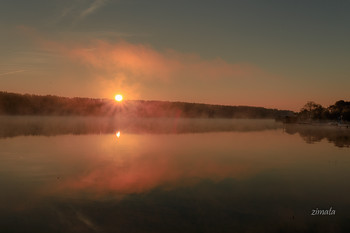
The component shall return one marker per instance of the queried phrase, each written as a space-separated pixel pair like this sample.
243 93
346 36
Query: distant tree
311 110
311 106
341 109
337 111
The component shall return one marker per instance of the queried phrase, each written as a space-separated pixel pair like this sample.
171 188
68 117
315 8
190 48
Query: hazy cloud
142 62
139 61
141 70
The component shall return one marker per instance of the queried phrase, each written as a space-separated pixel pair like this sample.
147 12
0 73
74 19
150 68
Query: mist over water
40 125
77 174
12 126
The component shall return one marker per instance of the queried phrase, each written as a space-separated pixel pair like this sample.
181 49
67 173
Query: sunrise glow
118 97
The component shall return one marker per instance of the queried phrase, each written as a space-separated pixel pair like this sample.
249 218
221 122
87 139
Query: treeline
340 111
18 104
194 110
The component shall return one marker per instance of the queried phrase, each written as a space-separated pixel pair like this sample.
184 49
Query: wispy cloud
96 4
12 72
80 9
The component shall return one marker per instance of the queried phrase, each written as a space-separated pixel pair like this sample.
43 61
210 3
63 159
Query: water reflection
340 137
251 178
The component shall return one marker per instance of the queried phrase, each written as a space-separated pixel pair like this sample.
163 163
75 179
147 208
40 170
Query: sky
275 54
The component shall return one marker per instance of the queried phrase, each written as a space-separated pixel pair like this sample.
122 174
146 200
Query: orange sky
82 49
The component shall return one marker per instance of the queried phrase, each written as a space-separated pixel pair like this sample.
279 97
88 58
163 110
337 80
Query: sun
118 97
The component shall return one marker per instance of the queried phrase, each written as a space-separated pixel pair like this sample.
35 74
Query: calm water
77 175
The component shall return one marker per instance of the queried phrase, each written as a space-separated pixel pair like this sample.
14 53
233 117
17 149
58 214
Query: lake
85 174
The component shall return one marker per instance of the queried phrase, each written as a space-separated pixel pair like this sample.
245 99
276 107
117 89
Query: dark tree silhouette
17 104
312 111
